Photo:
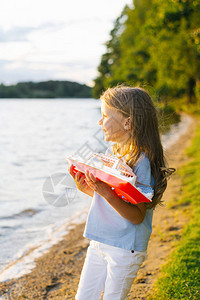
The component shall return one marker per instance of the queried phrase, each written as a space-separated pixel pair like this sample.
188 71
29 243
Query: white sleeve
144 178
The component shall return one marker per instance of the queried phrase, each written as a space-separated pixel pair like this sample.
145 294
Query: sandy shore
57 272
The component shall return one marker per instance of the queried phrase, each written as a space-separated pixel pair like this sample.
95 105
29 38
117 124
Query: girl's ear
127 125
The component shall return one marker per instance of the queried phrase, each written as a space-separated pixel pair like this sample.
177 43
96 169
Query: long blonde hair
136 103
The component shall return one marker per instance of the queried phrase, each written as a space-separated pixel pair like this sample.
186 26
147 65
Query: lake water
36 137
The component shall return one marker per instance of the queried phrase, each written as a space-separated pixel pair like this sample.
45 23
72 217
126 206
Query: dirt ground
57 272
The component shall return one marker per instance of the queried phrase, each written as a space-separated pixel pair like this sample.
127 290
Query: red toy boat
116 174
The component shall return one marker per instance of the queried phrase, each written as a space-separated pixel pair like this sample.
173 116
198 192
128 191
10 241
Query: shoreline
26 262
59 269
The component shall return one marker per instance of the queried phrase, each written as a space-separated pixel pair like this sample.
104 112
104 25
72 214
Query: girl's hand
80 181
133 213
102 188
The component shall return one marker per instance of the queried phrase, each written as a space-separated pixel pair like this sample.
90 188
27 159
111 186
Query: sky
54 39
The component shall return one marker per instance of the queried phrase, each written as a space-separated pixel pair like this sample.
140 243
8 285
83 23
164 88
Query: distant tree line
46 89
157 43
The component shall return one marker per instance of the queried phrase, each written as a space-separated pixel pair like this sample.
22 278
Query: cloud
20 34
50 51
13 72
15 34
43 40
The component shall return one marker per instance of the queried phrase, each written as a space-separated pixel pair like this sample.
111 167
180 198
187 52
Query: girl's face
114 124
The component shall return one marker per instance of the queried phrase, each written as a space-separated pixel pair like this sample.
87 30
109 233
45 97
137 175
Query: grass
180 277
182 105
166 117
169 111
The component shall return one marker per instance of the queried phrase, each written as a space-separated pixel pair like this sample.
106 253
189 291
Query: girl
120 231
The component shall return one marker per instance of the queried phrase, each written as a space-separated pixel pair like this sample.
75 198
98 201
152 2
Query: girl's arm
81 184
133 213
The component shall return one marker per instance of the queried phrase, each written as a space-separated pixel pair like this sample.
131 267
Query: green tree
175 49
155 42
111 57
46 89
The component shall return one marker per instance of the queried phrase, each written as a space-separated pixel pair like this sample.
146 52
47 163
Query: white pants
109 269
